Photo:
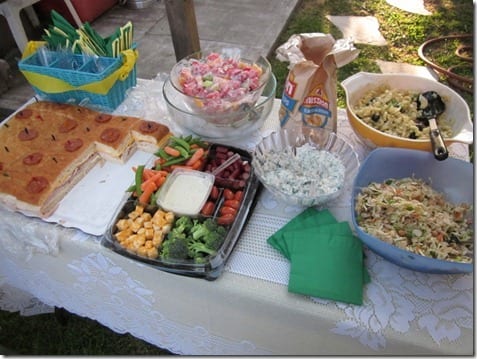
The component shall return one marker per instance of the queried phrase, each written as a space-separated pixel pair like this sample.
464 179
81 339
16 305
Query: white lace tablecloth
246 311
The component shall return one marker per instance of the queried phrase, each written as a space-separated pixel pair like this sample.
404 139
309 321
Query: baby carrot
195 157
149 172
172 151
155 178
160 181
159 161
147 192
197 164
148 182
146 175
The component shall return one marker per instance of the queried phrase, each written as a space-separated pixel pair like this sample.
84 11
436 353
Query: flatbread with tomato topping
46 148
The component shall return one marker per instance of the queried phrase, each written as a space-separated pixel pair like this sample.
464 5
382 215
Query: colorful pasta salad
411 215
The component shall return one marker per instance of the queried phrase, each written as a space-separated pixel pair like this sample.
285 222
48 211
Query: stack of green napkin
326 258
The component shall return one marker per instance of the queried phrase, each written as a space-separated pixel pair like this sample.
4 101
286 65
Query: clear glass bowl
212 126
218 83
288 140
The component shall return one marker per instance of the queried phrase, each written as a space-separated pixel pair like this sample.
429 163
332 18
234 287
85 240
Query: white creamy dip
186 193
308 172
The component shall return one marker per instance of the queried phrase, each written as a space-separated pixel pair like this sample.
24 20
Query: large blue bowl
453 177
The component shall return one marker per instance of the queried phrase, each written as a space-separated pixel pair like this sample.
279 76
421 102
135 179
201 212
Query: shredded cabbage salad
411 215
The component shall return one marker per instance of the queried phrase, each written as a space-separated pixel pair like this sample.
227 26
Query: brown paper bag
309 96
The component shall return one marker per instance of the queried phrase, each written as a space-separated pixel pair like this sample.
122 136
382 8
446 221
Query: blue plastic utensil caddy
71 78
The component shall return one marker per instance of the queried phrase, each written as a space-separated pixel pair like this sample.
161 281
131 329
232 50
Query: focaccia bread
46 148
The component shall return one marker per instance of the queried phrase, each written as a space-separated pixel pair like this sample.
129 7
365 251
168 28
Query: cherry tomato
225 219
232 203
214 194
208 208
238 196
228 194
228 210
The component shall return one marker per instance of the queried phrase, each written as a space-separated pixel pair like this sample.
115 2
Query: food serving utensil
227 163
431 105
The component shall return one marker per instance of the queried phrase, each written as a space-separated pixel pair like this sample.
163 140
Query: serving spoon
431 105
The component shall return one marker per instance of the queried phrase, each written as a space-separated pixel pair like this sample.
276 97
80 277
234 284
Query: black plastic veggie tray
213 265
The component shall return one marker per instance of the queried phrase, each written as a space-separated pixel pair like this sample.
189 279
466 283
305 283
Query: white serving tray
92 203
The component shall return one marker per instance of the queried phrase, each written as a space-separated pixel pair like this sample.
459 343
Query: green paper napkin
296 238
330 266
308 218
293 239
326 259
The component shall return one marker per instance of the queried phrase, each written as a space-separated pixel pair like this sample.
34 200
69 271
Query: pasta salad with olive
395 112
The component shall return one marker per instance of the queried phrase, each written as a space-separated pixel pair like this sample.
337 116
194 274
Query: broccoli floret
175 247
199 231
183 224
199 249
209 235
216 234
214 240
202 230
220 229
193 239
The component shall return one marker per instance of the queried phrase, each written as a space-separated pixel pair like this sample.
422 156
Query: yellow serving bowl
457 111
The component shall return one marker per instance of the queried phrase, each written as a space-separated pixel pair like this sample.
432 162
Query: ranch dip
185 192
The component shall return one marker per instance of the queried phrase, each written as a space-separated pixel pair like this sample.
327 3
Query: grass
404 33
63 333
48 334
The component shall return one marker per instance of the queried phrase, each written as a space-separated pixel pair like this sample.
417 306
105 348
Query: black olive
375 117
424 122
412 135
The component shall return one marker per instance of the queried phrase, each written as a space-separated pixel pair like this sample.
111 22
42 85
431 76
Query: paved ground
252 24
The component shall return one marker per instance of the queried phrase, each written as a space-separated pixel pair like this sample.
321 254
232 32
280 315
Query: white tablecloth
247 310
